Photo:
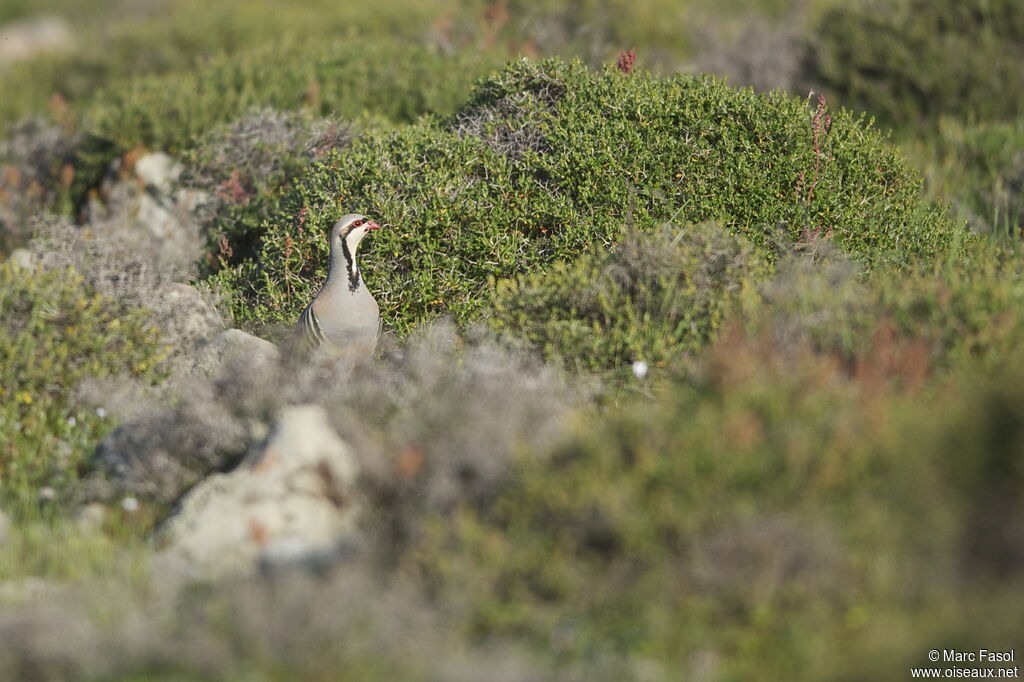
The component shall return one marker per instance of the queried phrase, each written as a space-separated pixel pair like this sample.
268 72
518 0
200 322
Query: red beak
372 226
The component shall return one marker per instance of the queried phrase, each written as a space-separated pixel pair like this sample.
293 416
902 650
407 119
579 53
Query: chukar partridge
343 314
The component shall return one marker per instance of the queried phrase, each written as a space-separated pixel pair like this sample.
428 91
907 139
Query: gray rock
157 215
184 315
292 499
232 346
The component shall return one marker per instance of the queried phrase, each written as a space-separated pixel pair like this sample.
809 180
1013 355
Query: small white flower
130 504
101 412
72 421
46 493
639 369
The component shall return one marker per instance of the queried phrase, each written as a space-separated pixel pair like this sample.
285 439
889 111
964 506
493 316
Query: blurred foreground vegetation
735 390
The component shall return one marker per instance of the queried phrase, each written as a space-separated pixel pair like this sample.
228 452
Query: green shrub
253 156
655 298
53 334
763 509
935 317
967 313
548 158
112 46
979 169
343 80
909 61
346 79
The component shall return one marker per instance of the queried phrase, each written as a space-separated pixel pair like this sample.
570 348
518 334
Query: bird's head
350 230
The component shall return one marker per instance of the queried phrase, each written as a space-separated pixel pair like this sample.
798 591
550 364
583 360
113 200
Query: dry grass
35 168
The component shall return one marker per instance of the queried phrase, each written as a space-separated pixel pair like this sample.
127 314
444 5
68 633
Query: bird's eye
359 222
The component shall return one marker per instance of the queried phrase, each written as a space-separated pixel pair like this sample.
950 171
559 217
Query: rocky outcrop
143 192
202 419
185 316
232 346
291 500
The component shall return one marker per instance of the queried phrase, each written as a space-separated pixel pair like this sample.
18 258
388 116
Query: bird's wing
309 327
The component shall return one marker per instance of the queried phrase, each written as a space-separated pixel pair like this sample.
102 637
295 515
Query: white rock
22 258
293 495
639 369
156 215
158 171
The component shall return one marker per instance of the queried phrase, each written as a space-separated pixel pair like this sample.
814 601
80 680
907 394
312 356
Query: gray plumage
343 314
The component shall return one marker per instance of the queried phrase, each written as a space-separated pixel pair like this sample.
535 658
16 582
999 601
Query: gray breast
348 318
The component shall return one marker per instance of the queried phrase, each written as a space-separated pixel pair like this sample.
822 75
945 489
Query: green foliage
53 334
763 509
967 313
822 483
980 170
655 298
113 46
934 317
910 61
60 549
348 79
548 158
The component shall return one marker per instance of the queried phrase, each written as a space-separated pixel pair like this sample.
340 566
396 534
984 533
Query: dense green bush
348 79
655 298
253 156
548 158
908 61
661 297
53 334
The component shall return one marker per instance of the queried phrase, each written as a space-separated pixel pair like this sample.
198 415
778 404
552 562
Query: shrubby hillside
679 379
548 160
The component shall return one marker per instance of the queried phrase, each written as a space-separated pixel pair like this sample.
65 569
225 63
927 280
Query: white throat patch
353 239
